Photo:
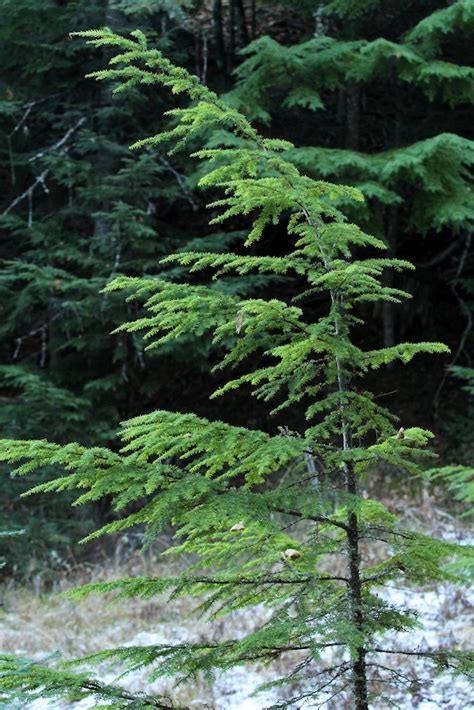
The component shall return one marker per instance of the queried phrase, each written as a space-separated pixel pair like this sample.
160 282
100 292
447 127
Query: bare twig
16 128
60 143
27 194
61 146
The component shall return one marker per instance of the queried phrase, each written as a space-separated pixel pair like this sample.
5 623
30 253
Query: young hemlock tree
297 544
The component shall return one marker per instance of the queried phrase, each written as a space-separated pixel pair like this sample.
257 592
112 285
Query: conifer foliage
76 208
297 543
386 89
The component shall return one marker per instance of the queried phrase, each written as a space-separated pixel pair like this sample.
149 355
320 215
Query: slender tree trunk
341 115
241 23
253 20
359 664
352 116
105 161
356 614
388 279
219 35
232 32
54 342
392 235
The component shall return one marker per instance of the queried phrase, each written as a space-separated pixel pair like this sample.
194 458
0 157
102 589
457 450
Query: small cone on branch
237 526
291 554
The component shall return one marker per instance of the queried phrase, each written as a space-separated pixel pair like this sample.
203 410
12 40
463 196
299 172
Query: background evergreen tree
375 85
77 208
248 537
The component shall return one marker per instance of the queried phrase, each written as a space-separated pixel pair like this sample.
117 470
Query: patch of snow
446 613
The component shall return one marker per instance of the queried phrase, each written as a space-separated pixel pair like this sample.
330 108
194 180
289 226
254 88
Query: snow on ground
447 616
445 611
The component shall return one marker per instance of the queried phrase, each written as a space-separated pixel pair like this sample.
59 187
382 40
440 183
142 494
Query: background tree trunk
219 35
232 32
352 116
253 18
388 278
392 229
241 23
105 160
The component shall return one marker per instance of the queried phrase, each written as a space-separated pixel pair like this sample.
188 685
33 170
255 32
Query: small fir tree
297 544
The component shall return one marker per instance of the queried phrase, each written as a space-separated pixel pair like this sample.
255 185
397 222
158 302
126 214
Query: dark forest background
373 93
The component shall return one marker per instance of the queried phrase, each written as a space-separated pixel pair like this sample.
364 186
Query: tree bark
352 116
241 23
359 664
388 279
356 615
232 32
237 22
219 35
253 19
105 161
392 229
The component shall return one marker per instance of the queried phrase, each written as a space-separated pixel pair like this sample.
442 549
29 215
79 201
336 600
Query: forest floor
35 625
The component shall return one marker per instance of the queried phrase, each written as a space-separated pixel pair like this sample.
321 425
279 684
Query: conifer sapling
295 544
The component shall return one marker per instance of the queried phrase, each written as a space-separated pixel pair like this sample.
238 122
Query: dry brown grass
38 623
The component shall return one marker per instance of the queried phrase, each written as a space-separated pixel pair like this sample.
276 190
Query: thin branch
442 655
41 330
314 518
262 580
96 687
406 680
16 128
379 575
179 179
40 179
441 256
60 143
